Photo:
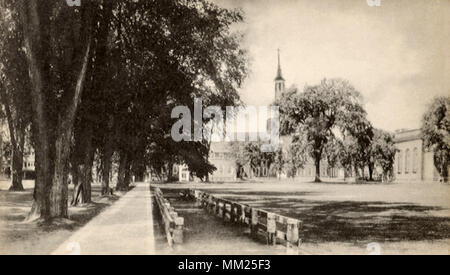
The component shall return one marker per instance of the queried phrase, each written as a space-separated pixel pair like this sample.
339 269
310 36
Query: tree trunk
127 179
317 164
170 171
87 175
77 189
43 166
59 190
357 175
444 172
17 167
52 151
347 173
87 184
17 135
122 173
371 168
106 170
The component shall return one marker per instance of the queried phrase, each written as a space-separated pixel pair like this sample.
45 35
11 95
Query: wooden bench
276 228
173 224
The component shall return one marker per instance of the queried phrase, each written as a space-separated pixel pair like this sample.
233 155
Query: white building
412 161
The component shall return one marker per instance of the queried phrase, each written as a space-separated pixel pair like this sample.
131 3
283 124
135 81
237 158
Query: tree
348 154
279 162
362 154
332 152
296 156
192 54
14 88
250 154
383 152
436 134
104 77
332 105
57 39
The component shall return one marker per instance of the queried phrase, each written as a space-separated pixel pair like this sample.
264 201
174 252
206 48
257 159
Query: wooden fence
173 224
275 228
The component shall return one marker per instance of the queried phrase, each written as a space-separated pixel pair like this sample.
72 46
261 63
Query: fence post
198 201
228 212
204 201
178 230
213 205
235 213
220 211
292 236
254 223
243 212
271 229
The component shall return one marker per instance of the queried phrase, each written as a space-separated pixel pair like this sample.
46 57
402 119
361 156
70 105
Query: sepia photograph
234 128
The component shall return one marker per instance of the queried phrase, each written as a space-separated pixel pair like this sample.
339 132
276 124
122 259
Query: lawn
17 237
406 218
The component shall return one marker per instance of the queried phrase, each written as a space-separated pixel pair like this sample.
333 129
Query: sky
396 55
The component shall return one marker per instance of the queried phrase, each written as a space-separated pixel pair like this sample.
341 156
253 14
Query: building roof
404 135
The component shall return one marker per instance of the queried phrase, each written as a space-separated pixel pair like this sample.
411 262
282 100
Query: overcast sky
396 55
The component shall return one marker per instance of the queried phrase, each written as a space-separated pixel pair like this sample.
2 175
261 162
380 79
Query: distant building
221 156
28 163
412 161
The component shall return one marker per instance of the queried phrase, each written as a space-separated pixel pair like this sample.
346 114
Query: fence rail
276 228
173 224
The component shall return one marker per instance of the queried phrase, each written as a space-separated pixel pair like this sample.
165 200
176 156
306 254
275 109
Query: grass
404 218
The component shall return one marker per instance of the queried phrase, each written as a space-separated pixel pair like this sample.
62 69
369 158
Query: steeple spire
279 76
279 80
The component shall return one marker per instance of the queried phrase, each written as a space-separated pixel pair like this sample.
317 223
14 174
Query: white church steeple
279 80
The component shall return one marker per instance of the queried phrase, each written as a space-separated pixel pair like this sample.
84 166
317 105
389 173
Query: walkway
126 227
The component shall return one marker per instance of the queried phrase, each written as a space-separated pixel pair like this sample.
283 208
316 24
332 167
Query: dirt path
124 228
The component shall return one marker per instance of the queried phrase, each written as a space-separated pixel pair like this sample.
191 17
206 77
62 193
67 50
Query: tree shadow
349 221
360 221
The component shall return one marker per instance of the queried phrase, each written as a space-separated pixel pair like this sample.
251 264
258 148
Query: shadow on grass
349 221
19 237
354 221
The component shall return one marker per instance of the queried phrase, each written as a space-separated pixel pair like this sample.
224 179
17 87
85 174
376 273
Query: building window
415 160
407 161
399 162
